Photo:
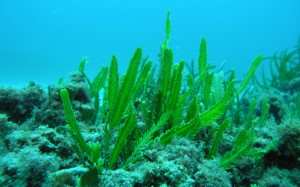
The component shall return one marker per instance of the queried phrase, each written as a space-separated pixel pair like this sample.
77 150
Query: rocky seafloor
36 149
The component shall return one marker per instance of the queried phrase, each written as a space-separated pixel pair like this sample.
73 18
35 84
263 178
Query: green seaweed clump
139 110
285 71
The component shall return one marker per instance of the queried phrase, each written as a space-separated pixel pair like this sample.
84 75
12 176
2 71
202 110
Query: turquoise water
45 40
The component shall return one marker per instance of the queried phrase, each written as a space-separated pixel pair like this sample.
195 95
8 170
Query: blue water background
43 40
